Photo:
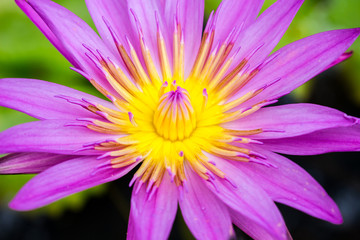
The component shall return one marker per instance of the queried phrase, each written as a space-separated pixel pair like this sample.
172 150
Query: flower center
170 127
174 118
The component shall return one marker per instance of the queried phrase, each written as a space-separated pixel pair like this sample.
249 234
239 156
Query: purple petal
190 14
254 230
152 214
131 234
342 139
117 15
298 62
40 101
292 120
44 28
49 136
204 214
16 163
74 34
245 196
234 14
289 184
342 58
62 180
266 31
145 13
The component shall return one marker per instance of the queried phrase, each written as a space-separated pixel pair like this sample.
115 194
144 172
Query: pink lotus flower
189 109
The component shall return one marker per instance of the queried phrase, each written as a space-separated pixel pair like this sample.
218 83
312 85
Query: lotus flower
189 110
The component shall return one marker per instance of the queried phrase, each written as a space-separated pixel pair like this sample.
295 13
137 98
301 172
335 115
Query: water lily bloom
187 109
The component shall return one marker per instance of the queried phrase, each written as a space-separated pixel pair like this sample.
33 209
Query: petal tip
336 217
357 30
19 205
353 32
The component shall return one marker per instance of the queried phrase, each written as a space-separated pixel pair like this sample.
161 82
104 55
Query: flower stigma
174 118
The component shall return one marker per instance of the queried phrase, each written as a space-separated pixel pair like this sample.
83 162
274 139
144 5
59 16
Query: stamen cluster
168 126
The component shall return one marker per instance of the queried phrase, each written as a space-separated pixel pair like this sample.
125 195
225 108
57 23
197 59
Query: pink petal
117 15
289 184
204 214
265 33
292 120
235 14
254 230
152 214
49 136
41 99
44 28
245 196
131 234
341 139
74 34
342 58
62 180
190 14
145 13
16 163
298 62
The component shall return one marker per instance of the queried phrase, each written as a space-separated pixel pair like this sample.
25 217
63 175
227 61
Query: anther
162 88
131 118
173 85
205 98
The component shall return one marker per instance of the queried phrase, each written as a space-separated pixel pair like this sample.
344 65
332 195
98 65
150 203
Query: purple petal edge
341 139
289 184
152 213
24 163
62 180
202 210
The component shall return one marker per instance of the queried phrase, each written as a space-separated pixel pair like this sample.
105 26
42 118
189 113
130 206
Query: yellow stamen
165 65
205 47
154 76
167 122
241 100
121 78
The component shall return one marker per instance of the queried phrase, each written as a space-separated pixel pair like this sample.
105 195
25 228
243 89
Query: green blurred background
26 53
